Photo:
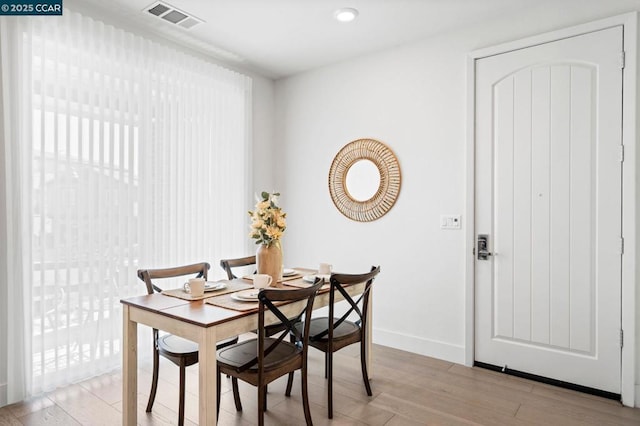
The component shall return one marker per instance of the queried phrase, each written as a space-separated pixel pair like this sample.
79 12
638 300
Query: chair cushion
243 352
318 325
176 345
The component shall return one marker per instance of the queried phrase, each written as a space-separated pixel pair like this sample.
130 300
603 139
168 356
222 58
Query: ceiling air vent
173 15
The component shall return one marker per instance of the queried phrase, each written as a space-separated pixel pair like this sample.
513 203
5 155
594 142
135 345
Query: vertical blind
138 157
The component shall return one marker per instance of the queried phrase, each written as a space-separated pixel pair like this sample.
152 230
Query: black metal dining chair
330 334
262 360
181 352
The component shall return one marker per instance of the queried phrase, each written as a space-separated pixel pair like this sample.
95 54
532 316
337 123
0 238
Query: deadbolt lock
483 247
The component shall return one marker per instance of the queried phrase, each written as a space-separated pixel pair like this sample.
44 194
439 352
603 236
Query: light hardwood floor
408 389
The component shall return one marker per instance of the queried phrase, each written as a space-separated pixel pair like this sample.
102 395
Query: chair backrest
268 299
360 306
198 270
229 264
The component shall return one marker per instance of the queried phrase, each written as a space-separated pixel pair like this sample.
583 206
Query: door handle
483 247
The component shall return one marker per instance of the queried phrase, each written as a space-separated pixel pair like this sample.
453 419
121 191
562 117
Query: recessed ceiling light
346 14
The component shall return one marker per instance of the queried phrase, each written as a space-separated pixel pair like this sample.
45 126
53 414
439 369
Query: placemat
232 287
300 283
304 284
300 273
225 301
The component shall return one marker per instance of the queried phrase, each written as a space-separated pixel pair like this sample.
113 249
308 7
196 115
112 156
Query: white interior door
548 195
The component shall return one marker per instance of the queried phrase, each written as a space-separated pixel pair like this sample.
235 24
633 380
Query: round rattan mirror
364 180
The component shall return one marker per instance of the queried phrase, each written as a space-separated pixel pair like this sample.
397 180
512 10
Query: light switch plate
450 221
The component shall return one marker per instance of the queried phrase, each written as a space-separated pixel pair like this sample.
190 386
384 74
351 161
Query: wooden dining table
205 324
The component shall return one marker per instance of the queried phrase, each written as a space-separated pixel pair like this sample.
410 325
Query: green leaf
265 195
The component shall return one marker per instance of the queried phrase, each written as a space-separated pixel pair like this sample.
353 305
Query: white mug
324 269
195 287
262 280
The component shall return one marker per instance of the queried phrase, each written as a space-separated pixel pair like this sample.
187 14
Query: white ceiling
279 38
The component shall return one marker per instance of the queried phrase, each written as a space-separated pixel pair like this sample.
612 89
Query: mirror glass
363 180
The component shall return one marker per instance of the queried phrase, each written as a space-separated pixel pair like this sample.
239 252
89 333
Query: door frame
630 394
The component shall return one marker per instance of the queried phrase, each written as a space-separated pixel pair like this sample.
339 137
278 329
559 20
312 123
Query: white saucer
288 272
214 286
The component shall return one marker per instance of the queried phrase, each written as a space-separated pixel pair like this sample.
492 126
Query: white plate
214 286
312 278
286 272
250 295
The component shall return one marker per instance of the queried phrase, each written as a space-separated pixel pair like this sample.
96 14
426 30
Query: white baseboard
3 394
418 345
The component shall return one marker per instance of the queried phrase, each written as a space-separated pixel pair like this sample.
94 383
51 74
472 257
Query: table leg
129 369
207 376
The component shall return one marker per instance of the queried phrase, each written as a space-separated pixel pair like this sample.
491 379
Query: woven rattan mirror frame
388 190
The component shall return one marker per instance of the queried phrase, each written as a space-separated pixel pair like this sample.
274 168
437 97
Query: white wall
414 99
263 135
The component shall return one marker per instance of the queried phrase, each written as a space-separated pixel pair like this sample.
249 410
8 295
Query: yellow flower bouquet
268 221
